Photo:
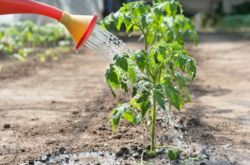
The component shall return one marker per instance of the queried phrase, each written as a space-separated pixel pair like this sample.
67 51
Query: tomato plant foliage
20 39
158 75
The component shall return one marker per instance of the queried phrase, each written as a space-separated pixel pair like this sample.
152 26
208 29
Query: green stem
145 40
146 45
152 149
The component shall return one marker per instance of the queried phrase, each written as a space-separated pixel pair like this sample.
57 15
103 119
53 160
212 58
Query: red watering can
79 26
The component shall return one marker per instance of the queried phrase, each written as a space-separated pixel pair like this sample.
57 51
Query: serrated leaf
112 78
150 37
128 22
159 97
180 80
128 116
144 97
134 91
173 154
122 62
144 108
124 86
143 20
116 115
174 97
132 75
140 59
118 18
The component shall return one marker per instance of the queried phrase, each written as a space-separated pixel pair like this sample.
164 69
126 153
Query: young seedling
18 40
158 75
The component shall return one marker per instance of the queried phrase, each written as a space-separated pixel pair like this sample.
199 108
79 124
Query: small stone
136 155
119 136
125 157
243 142
44 158
62 150
118 154
31 162
124 150
53 102
6 126
67 160
194 122
103 128
202 163
134 148
140 151
75 112
61 130
48 155
206 135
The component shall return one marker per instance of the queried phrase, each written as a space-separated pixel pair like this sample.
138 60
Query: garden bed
62 108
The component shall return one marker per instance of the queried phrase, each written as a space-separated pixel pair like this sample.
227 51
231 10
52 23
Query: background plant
158 75
20 39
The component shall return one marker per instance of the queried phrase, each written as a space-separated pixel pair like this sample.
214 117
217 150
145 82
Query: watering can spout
79 26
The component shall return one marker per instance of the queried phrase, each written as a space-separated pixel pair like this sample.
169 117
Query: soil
60 109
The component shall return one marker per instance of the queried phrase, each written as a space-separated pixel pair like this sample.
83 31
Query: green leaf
122 62
143 19
132 74
124 86
174 97
150 37
144 97
118 18
181 80
134 91
117 114
191 68
140 58
159 97
186 64
122 112
144 108
128 116
112 78
173 154
128 22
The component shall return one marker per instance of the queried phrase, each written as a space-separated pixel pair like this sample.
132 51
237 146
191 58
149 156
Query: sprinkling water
176 135
105 43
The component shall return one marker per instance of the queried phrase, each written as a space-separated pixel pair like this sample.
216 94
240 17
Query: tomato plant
19 39
158 75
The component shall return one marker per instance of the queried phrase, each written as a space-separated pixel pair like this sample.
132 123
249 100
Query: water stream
106 44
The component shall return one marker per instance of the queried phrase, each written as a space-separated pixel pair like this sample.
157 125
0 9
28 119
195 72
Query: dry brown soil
65 103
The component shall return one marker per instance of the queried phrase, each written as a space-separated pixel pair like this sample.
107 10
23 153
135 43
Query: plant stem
145 40
146 43
152 149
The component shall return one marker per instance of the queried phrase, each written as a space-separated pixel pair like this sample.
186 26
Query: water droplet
105 43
